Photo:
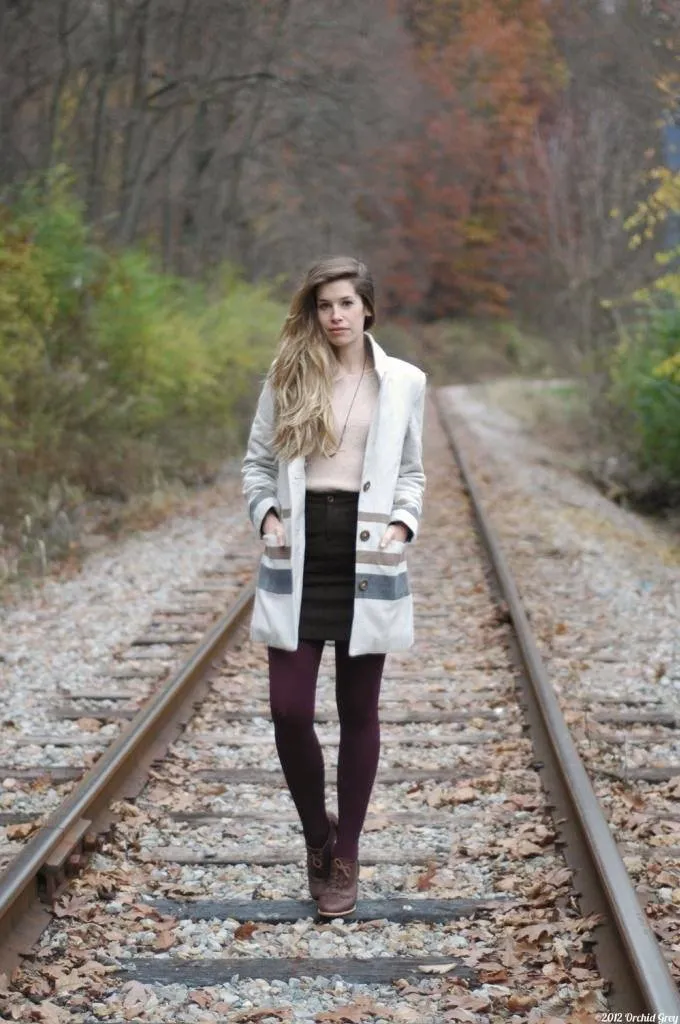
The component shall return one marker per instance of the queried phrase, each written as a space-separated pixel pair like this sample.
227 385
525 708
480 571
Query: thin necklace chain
349 411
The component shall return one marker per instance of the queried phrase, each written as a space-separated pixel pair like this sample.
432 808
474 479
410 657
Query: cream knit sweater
342 472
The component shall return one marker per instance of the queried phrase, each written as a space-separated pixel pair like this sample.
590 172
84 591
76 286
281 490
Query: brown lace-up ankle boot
319 860
339 895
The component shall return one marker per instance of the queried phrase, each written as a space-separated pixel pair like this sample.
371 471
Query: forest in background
168 168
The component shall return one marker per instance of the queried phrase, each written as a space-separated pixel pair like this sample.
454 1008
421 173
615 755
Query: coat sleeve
408 494
260 464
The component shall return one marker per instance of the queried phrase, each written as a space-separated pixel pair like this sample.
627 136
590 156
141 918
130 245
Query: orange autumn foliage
460 239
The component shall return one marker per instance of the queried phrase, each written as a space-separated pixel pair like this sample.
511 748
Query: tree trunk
5 99
96 185
63 30
167 229
135 138
229 212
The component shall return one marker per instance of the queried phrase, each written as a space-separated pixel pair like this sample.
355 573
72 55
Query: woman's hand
395 531
272 524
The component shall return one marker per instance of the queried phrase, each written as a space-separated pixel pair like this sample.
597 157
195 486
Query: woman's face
341 313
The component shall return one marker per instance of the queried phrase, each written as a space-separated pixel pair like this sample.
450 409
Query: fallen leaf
94 967
586 924
518 1002
136 996
376 824
37 987
200 997
436 968
424 881
22 831
405 989
50 1013
89 724
165 940
469 1001
64 979
524 848
462 795
407 1015
590 1001
183 801
459 1013
534 933
343 1015
491 973
555 972
245 931
525 801
72 907
508 956
558 878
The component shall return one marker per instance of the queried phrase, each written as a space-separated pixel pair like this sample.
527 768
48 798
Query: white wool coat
392 486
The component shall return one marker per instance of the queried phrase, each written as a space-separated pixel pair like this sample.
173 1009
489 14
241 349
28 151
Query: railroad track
78 721
187 845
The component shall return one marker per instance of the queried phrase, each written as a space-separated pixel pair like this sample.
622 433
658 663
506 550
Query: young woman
334 480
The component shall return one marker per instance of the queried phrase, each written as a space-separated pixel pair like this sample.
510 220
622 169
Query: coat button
331 497
363 585
367 485
364 535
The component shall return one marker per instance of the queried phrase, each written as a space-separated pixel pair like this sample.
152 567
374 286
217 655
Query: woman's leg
357 693
292 692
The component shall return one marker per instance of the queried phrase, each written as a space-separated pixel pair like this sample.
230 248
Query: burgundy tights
292 693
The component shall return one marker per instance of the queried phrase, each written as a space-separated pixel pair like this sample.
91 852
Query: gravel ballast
592 609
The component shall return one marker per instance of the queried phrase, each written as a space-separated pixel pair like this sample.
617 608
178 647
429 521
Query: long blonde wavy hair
302 372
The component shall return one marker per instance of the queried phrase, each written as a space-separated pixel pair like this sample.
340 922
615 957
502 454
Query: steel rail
625 939
63 832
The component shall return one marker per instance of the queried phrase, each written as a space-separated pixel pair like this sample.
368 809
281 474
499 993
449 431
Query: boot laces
341 873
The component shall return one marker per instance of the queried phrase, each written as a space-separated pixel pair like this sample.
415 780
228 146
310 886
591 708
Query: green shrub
27 312
646 390
467 351
113 374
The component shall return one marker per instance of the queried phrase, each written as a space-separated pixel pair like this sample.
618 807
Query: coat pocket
382 574
273 619
383 610
393 554
275 575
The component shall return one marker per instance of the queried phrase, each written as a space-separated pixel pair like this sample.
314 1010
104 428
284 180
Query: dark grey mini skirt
329 573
